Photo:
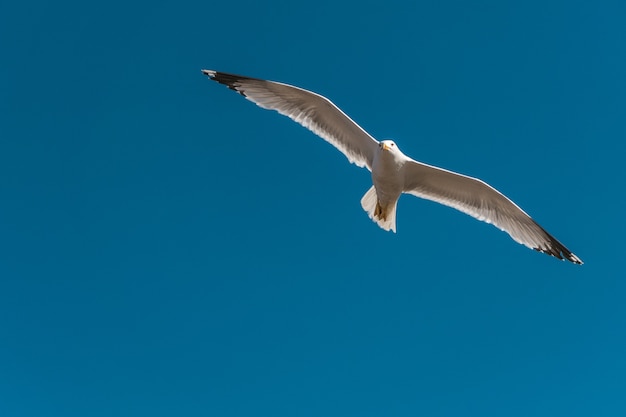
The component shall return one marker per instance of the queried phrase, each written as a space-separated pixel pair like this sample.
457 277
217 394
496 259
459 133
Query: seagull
394 173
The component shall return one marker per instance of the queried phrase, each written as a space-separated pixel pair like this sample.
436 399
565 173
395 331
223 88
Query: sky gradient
169 248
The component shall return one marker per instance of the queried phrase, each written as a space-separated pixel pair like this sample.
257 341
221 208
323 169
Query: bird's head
389 151
387 145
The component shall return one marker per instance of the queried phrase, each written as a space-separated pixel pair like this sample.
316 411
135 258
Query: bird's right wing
311 110
478 199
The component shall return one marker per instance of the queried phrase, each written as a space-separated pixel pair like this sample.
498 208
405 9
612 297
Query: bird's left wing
478 199
311 110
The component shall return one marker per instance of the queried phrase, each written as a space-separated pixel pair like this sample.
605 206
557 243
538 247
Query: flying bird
394 173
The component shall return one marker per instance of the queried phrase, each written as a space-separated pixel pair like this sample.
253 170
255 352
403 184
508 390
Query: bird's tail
384 216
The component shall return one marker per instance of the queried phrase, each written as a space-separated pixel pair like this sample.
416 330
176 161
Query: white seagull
394 173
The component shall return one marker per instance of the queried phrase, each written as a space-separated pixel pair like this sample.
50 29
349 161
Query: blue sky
154 260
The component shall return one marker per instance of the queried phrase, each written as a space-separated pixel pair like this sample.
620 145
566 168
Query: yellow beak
385 147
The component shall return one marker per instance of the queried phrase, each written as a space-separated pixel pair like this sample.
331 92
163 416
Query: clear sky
157 260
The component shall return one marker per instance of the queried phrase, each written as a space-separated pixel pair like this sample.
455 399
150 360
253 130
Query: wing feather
478 199
309 109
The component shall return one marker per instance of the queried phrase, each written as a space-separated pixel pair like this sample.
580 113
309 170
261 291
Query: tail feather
384 216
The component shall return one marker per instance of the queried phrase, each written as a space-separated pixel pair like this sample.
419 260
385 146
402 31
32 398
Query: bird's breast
388 178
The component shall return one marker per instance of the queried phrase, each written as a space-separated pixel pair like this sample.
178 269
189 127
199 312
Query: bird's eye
393 144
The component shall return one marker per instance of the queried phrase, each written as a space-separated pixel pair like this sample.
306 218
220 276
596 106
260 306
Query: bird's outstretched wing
478 199
311 110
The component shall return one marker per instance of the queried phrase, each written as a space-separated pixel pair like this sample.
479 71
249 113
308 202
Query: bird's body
394 173
388 179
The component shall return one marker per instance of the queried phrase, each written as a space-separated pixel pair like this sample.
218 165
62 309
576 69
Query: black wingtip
559 251
231 81
553 247
572 258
